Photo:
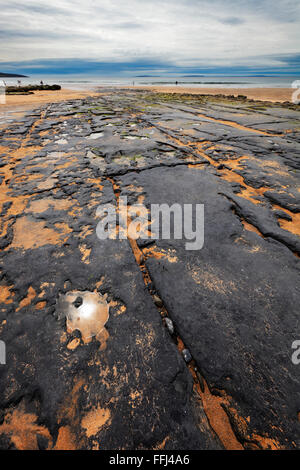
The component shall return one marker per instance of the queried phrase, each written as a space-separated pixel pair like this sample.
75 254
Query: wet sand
42 97
262 94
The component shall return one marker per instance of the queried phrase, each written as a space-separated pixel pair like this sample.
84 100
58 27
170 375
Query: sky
150 36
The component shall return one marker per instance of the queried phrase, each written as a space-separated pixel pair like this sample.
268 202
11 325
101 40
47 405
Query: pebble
78 302
157 300
169 325
187 355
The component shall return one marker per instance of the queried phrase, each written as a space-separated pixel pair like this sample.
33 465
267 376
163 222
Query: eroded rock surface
118 344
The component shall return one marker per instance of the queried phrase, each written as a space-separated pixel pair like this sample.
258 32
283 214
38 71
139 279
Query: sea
85 82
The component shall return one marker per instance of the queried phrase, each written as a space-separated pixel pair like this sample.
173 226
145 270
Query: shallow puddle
87 312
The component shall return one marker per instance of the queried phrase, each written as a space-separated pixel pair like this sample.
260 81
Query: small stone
169 325
78 302
67 285
187 355
73 344
157 300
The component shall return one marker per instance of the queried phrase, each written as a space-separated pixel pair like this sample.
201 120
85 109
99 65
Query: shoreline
22 103
260 94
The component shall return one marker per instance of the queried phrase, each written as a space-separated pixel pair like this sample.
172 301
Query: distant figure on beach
19 82
2 100
176 83
41 83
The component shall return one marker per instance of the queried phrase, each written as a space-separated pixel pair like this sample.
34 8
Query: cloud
232 20
185 33
276 65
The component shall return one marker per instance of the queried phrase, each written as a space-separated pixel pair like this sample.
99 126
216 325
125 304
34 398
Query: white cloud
185 32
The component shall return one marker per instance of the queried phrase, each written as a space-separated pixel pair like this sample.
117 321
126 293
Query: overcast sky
181 33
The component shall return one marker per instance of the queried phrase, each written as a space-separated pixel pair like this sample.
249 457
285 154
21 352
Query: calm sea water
90 82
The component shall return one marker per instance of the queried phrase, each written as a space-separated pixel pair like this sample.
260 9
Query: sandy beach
42 97
262 94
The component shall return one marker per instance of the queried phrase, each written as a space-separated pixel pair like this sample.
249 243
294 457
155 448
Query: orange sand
42 97
263 94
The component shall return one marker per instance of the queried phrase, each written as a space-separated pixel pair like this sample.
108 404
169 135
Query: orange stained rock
292 226
137 227
96 182
212 405
31 294
48 183
251 228
41 205
212 280
66 440
266 443
66 164
22 429
100 283
43 133
227 174
255 440
248 192
154 252
95 420
69 418
24 178
73 344
133 188
218 418
162 445
18 203
136 251
29 233
86 231
85 253
68 410
40 305
6 294
24 151
199 149
235 125
214 409
136 398
121 310
198 166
